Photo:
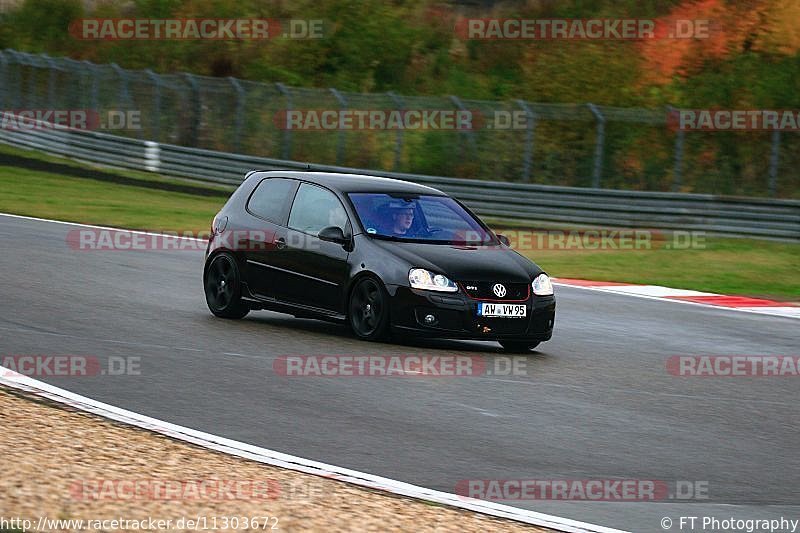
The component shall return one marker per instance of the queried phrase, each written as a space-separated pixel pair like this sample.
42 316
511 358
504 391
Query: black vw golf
378 254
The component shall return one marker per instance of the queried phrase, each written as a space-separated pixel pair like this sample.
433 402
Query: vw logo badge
499 289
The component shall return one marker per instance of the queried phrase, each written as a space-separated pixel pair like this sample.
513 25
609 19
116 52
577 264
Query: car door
265 234
315 271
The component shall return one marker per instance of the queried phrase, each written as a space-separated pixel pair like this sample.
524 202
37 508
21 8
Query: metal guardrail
766 218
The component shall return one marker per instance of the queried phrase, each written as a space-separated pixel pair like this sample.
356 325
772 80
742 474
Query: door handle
280 243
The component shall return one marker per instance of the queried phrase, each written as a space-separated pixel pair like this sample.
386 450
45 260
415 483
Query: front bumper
457 316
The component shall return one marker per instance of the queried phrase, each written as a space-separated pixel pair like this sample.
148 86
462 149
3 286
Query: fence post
51 81
286 151
155 128
470 135
238 121
4 81
14 98
18 83
773 162
21 61
530 127
398 140
10 100
341 135
677 179
599 145
33 81
125 101
194 125
72 70
124 95
91 68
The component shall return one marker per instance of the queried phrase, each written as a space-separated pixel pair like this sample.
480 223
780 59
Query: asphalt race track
597 402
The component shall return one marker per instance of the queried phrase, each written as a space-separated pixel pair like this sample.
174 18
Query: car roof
356 182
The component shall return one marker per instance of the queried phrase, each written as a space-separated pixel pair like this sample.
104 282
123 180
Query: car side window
315 208
269 199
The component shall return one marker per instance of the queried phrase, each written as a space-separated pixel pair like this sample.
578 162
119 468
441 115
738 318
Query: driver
402 217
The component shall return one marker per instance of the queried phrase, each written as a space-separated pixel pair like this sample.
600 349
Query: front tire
368 310
519 346
223 288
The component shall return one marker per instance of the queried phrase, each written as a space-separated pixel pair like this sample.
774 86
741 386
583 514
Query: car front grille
483 290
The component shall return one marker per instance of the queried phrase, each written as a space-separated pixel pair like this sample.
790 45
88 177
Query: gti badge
499 289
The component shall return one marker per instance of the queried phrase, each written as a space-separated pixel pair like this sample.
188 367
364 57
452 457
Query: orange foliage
729 29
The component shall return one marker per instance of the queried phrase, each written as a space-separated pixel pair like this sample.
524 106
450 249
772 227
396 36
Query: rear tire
368 310
223 288
519 346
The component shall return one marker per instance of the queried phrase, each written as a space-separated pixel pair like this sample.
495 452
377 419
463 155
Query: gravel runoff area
70 465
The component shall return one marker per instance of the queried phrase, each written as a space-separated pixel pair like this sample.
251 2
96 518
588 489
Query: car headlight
542 285
419 278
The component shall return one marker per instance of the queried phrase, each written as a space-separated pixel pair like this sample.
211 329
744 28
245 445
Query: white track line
29 385
784 312
138 232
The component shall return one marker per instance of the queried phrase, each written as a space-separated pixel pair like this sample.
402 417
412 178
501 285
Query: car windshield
418 218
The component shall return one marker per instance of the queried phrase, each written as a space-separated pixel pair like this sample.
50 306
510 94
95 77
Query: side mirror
503 239
333 234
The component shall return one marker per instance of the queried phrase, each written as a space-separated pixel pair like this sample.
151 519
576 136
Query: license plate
502 310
